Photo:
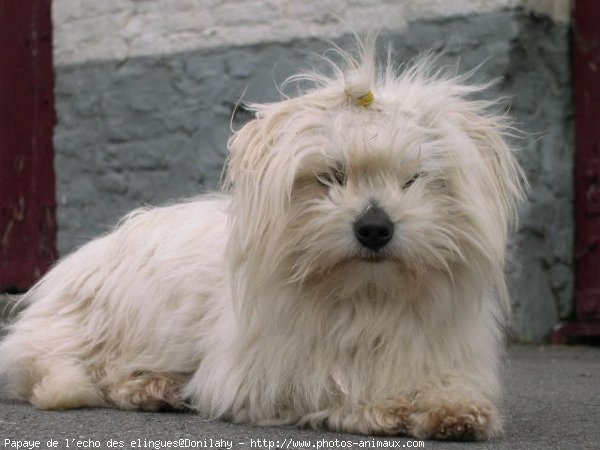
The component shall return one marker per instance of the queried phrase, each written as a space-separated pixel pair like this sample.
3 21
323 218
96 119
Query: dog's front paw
385 418
389 418
455 420
148 391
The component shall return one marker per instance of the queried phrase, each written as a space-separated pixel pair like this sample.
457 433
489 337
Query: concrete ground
552 402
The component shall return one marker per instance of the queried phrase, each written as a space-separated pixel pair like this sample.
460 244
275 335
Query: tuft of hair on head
351 73
360 74
358 87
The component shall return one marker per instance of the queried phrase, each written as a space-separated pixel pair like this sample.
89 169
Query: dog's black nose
374 228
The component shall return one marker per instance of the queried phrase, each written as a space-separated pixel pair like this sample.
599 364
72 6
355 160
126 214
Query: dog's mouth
365 261
373 257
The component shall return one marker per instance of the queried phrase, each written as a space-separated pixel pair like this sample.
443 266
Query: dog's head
370 176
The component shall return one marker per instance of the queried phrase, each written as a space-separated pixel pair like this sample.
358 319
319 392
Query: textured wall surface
150 129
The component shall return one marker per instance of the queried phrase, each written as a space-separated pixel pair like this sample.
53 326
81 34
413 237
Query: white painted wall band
87 30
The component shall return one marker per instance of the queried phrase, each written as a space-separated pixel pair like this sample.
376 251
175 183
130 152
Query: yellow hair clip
365 100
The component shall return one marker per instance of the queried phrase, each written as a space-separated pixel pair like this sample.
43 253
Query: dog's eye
335 175
408 183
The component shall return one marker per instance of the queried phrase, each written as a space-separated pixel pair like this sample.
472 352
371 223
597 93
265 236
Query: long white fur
260 300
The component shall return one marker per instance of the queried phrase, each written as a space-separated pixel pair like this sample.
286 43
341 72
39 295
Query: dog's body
349 281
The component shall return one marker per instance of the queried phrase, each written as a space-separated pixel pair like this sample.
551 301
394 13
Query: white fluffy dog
351 279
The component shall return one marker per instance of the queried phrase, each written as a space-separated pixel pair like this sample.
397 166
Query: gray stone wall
149 130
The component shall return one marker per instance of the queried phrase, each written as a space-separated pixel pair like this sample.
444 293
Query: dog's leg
64 384
385 418
148 391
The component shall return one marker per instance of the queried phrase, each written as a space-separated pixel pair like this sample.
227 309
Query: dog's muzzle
374 228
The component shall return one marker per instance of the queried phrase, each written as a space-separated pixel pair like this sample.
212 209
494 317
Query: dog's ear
506 180
258 170
493 186
260 179
497 182
244 149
